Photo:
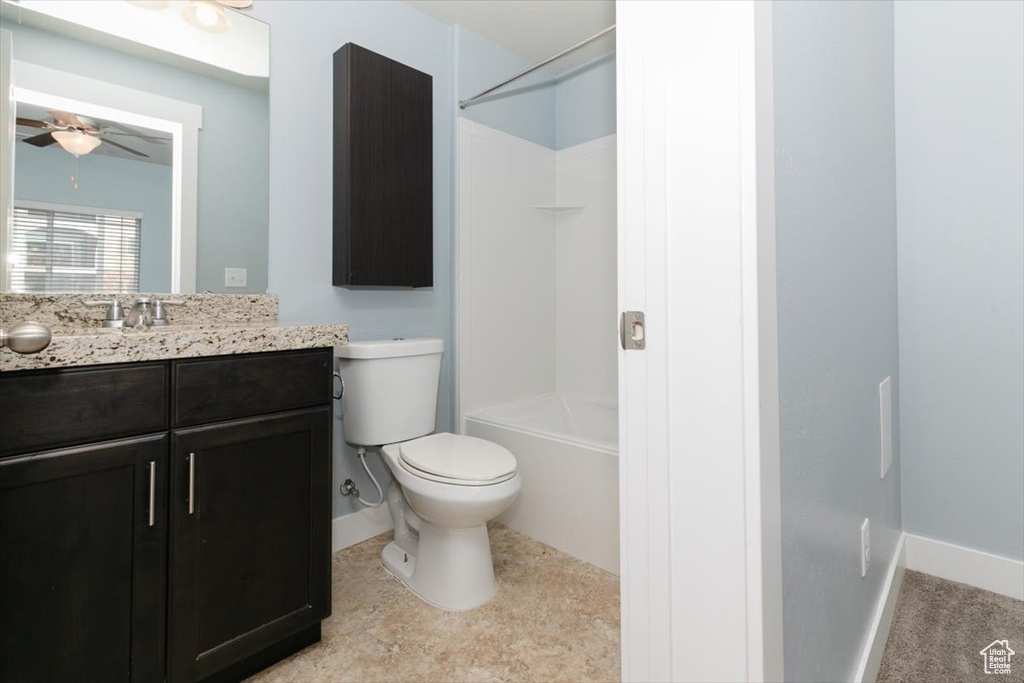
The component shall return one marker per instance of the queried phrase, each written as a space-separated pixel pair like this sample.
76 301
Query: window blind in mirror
74 249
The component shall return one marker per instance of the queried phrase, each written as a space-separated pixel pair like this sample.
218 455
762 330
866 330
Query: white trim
881 623
71 208
696 434
463 251
459 426
43 86
7 120
761 377
359 526
973 567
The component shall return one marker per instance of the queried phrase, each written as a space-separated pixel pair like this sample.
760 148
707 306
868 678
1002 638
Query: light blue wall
525 108
960 153
233 172
837 322
585 103
43 175
304 36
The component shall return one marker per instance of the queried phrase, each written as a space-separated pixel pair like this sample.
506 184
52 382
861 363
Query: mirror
140 147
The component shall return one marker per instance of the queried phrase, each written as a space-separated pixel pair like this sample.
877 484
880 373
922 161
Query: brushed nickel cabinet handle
191 483
152 492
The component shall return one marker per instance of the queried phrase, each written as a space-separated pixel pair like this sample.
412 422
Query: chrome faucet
149 312
141 314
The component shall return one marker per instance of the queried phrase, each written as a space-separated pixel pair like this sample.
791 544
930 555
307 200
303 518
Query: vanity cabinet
83 567
199 550
383 171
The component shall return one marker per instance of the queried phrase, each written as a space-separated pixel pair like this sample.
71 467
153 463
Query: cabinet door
83 533
383 172
250 537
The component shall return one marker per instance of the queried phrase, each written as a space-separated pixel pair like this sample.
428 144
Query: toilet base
453 569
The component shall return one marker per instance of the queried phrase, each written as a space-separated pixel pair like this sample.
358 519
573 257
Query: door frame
701 583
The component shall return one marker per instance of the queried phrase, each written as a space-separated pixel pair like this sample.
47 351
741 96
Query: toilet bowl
441 550
446 486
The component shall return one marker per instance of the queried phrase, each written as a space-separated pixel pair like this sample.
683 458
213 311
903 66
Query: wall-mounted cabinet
383 171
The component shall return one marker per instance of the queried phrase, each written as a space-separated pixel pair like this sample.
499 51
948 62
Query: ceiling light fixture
76 142
206 15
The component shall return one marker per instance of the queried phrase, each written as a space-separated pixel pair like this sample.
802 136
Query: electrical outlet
865 547
885 423
235 277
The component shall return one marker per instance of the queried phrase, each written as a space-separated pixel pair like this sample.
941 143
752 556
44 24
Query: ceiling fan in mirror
78 135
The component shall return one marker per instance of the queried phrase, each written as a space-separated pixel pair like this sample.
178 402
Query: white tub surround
566 448
586 335
591 422
537 251
203 325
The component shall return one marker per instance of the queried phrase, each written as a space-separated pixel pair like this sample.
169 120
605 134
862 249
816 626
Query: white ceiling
536 29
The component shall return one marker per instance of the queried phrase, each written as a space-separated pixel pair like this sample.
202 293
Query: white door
701 586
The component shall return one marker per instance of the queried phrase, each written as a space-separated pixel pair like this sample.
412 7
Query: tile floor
555 618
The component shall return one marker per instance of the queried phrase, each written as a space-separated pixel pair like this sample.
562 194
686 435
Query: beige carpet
555 618
940 627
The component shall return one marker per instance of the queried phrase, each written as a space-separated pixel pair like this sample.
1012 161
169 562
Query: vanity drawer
228 387
46 409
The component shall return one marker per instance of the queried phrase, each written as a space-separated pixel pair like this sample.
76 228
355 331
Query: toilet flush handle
341 382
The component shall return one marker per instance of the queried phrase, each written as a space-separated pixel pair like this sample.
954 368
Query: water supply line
348 487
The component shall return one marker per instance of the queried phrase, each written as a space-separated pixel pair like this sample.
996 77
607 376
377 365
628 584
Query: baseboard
881 622
973 567
359 526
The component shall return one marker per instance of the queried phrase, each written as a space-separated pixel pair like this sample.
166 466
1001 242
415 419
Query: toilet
446 486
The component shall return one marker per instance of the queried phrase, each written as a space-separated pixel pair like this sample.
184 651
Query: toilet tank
390 392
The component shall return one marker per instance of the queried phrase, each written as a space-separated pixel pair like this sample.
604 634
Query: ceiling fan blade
31 122
121 129
127 149
236 4
150 138
41 140
65 118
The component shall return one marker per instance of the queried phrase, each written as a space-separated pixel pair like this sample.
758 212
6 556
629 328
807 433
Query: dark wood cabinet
383 171
250 518
201 553
83 563
43 409
223 388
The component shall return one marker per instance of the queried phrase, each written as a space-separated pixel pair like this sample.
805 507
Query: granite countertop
200 325
81 347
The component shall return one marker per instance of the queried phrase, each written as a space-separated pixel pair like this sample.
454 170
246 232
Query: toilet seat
457 459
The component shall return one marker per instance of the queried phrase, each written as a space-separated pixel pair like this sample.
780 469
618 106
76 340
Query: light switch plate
235 277
885 424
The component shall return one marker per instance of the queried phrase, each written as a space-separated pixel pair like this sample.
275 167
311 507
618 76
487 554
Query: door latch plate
632 331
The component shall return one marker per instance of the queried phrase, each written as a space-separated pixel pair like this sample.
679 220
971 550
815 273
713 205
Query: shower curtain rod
467 102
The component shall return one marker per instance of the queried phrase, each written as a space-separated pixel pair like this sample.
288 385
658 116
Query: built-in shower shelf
558 209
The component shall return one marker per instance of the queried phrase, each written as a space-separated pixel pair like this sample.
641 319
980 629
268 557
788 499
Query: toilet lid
459 457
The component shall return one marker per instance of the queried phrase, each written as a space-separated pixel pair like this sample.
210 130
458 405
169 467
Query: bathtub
567 452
